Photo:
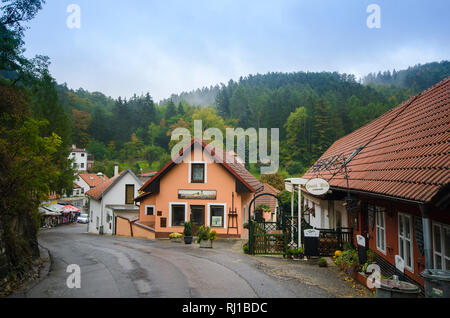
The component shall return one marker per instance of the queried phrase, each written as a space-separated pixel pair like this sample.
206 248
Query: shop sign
197 194
317 186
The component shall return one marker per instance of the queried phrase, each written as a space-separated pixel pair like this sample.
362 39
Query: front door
197 217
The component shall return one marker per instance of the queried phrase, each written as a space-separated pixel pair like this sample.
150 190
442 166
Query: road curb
46 262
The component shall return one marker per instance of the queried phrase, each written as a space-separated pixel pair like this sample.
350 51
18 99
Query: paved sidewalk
330 279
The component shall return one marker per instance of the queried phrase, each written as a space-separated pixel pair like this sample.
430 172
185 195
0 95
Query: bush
322 262
245 248
370 256
205 234
348 260
175 235
187 229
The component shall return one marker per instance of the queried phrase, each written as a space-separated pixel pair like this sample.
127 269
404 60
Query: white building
110 199
80 158
325 214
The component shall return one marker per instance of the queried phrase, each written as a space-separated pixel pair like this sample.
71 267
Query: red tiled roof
405 152
270 201
236 169
92 179
76 186
96 192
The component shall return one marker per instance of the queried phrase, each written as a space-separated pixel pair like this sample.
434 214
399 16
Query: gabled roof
403 153
92 179
236 169
100 190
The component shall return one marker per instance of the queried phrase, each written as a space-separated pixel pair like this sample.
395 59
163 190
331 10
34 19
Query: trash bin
311 242
437 283
390 288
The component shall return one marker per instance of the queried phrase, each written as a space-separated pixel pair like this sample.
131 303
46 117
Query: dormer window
198 173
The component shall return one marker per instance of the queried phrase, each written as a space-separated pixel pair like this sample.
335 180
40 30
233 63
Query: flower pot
206 244
188 240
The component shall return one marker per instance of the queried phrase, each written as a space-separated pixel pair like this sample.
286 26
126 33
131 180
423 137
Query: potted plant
206 237
245 248
175 237
245 225
301 252
292 252
322 262
187 233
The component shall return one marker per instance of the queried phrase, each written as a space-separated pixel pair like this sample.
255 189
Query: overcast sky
170 46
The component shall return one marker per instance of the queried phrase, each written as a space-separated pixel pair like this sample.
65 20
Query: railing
331 240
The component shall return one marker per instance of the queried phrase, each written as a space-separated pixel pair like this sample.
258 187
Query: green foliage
187 229
348 260
322 262
263 207
370 256
275 180
205 234
245 248
175 235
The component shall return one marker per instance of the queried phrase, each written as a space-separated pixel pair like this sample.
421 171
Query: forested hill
416 78
312 110
205 96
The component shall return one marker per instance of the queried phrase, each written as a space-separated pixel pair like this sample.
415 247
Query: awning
70 208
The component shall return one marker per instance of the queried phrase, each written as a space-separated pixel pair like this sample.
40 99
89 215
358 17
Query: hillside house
112 199
398 181
206 192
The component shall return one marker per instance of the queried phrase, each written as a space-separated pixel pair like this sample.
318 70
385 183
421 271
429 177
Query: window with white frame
381 229
149 210
405 245
441 246
217 215
178 214
198 172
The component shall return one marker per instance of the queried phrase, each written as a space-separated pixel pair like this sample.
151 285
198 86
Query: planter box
175 240
206 244
361 278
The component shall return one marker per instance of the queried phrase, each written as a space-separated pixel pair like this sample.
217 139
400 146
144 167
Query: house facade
322 213
79 157
113 199
204 191
393 179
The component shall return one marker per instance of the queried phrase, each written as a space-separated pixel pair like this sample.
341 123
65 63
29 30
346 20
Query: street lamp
100 175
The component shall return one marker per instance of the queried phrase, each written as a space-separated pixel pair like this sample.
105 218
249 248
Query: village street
126 267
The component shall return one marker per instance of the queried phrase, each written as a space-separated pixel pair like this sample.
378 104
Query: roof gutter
379 195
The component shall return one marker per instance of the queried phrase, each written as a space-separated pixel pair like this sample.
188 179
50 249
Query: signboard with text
317 186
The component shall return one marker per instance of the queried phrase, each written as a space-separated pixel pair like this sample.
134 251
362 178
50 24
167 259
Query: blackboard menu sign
418 231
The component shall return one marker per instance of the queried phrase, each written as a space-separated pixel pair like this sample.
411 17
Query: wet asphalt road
126 267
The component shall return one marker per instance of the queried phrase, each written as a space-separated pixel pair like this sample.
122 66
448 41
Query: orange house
206 192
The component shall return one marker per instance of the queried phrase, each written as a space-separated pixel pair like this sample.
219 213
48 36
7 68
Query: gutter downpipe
426 225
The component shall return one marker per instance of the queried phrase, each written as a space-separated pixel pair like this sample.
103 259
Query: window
198 173
405 246
217 216
441 246
82 155
381 229
129 194
149 210
178 214
82 165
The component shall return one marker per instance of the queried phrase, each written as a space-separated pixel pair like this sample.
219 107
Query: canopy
70 208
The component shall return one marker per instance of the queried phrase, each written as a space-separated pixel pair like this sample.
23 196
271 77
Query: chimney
116 170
